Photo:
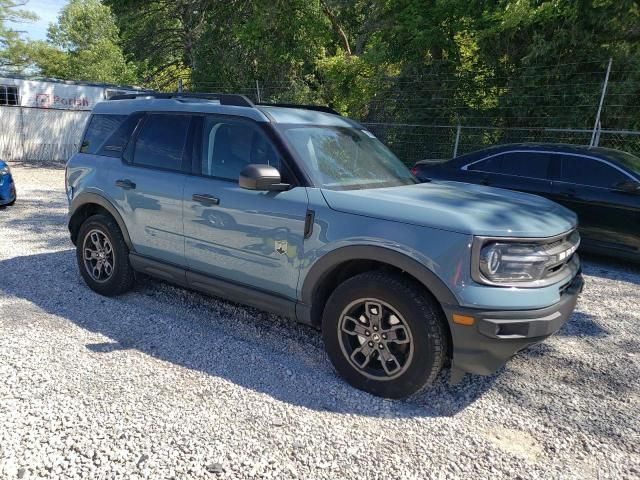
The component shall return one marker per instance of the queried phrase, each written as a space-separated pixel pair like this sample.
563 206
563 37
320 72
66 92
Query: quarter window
100 128
586 171
229 145
490 165
161 142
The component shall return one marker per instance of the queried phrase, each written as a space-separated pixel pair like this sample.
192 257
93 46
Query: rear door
525 171
247 237
148 185
607 216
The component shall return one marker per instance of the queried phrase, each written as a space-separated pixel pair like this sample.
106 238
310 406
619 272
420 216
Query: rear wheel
103 256
384 334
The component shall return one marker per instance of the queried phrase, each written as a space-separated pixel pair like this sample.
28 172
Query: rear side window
586 171
161 142
100 128
526 164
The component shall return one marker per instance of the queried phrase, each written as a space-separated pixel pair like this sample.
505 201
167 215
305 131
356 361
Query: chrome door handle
126 184
205 199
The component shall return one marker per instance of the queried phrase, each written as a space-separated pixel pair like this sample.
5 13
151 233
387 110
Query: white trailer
57 94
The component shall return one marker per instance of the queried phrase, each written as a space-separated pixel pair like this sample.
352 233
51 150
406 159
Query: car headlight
510 262
505 262
5 170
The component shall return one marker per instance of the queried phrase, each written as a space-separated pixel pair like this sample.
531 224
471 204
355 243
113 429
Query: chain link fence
433 116
40 135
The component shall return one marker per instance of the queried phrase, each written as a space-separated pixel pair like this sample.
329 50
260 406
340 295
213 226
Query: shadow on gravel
582 324
46 223
611 268
255 350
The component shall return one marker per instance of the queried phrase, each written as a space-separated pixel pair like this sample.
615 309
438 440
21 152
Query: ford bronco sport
302 212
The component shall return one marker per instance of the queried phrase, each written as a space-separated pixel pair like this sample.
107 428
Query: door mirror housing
262 177
629 186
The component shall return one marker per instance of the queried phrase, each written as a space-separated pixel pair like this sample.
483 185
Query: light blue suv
299 211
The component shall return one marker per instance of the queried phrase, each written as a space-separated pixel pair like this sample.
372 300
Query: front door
247 237
607 216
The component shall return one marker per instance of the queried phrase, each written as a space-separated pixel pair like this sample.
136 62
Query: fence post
22 135
179 85
455 146
258 91
594 140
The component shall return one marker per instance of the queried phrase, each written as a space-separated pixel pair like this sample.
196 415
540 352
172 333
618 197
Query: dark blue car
601 185
7 187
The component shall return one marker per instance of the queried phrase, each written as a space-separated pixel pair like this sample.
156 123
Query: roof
259 113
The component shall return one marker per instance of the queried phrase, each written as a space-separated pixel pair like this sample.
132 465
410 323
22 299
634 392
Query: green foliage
504 63
14 52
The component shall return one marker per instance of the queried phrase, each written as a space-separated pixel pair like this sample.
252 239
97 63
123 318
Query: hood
458 207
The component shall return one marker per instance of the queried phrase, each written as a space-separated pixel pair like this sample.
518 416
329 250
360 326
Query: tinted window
585 171
100 128
161 141
114 146
229 145
526 164
490 165
520 164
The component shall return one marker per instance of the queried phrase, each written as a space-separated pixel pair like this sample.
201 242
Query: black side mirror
628 186
261 177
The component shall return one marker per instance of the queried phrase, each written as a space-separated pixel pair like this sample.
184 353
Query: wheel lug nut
367 333
384 336
375 329
371 344
381 346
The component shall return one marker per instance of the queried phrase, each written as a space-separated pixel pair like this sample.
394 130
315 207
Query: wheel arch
87 204
338 265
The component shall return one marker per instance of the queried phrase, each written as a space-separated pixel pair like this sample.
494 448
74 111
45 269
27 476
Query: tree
14 54
84 45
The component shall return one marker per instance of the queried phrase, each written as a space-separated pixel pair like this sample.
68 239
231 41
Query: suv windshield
346 158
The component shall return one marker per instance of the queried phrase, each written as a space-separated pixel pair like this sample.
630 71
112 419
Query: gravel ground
165 383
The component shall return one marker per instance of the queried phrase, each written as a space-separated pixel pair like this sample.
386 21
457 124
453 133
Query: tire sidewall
426 361
119 278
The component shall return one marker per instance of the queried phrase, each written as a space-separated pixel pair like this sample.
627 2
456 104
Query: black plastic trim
331 260
218 287
496 336
93 198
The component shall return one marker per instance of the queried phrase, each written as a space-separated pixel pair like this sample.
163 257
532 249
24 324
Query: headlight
5 170
525 263
512 262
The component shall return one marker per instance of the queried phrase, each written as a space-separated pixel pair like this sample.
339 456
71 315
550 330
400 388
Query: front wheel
384 334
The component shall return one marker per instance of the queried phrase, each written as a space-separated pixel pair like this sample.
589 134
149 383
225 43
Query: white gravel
165 383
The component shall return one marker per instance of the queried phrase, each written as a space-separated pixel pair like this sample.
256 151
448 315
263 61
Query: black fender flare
325 264
93 198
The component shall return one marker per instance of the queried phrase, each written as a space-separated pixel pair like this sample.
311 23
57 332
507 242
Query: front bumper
495 336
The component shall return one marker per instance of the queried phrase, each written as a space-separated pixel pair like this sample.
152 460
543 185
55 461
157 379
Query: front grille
561 252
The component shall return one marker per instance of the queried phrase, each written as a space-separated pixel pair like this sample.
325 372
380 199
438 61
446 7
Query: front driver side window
587 171
230 145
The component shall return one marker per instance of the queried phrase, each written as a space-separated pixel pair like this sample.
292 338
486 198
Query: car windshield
345 158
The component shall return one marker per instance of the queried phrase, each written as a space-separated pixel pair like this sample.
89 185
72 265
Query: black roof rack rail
317 108
224 98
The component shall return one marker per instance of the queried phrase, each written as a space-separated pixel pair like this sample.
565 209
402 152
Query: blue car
7 187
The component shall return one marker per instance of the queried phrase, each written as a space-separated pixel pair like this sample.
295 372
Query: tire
419 349
110 281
